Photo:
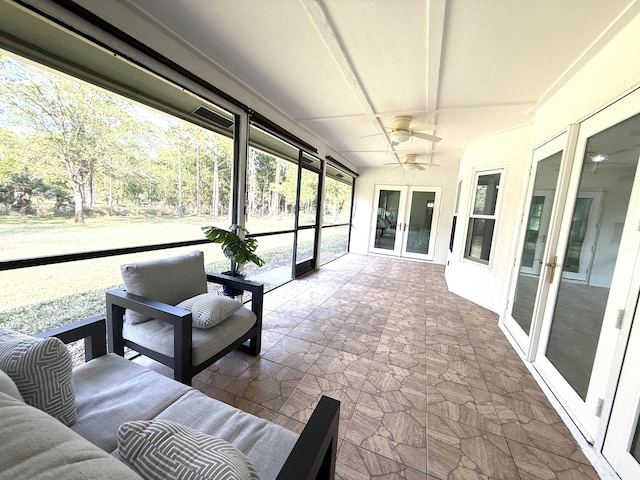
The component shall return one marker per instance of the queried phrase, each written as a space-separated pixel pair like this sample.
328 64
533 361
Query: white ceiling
343 68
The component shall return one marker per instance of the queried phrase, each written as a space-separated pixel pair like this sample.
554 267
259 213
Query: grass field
37 298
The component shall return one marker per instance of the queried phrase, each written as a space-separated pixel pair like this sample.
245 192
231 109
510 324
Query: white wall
444 176
614 70
487 285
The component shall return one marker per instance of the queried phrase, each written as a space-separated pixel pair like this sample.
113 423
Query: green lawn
37 298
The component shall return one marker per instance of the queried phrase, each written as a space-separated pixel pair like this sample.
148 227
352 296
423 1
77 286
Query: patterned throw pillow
208 309
41 369
160 449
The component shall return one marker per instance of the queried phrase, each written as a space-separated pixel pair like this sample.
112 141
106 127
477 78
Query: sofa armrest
314 454
93 330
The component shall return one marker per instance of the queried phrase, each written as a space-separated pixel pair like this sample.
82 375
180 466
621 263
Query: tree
336 196
23 187
78 124
264 172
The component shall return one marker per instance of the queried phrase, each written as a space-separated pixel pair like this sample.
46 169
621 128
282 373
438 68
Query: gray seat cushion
111 390
265 444
158 335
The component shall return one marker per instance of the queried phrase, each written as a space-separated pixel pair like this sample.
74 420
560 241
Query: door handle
552 266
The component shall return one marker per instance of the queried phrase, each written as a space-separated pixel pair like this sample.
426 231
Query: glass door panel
589 280
423 209
580 306
305 245
420 220
386 232
538 220
308 204
546 193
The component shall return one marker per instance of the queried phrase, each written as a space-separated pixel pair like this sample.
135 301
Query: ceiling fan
410 163
401 131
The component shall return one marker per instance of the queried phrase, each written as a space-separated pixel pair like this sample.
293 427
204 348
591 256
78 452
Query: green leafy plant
238 250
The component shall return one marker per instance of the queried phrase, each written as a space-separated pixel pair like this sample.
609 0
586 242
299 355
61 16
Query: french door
529 289
405 221
565 312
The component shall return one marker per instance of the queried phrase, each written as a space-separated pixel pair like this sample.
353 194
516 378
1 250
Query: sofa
114 418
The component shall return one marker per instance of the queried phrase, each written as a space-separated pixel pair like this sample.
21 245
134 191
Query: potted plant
238 250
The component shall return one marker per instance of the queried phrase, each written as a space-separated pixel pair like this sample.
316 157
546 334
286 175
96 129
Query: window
336 215
482 219
455 217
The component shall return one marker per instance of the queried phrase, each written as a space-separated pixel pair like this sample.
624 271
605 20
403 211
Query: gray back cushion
36 445
168 280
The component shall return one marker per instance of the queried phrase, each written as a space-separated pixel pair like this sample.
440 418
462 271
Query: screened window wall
91 179
283 185
86 170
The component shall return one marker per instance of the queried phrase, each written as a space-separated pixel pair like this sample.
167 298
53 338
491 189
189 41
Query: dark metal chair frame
183 369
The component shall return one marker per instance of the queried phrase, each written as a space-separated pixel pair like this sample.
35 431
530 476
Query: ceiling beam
320 18
318 13
436 15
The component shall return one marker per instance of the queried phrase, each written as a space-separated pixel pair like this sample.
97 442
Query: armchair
143 315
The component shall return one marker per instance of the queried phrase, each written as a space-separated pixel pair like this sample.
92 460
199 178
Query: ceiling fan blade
426 136
372 135
419 167
426 128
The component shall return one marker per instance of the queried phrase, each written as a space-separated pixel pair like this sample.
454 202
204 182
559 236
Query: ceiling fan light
597 157
400 136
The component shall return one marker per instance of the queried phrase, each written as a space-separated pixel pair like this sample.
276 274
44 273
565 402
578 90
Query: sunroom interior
488 151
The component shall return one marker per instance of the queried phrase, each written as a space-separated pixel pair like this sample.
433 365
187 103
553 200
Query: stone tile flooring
429 386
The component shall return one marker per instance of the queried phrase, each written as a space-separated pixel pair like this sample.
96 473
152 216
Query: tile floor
429 386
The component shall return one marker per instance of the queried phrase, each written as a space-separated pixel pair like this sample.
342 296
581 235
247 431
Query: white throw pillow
160 449
167 280
208 309
41 369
